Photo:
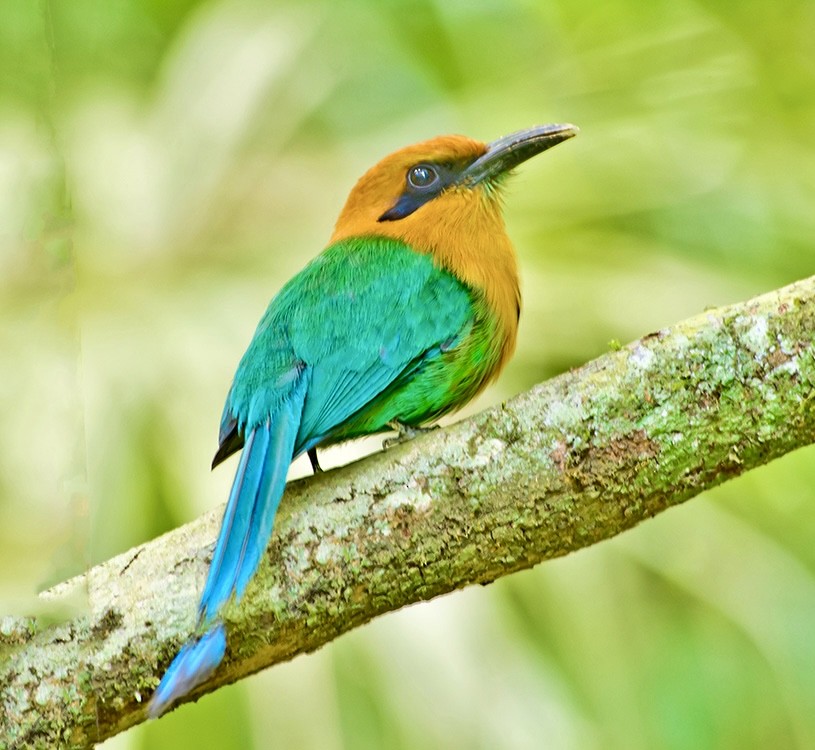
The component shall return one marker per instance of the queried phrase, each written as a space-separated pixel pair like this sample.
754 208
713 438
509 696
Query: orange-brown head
442 197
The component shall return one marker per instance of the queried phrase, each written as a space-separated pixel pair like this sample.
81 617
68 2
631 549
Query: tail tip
196 661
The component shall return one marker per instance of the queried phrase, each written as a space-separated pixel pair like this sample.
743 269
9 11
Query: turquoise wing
364 315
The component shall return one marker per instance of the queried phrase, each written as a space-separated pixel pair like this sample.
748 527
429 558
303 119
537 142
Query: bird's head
426 193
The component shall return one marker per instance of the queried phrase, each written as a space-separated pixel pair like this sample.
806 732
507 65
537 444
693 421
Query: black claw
315 464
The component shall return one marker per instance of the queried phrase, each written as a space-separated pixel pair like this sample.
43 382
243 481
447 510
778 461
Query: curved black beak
505 153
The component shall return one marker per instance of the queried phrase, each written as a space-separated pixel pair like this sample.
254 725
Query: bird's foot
405 432
315 464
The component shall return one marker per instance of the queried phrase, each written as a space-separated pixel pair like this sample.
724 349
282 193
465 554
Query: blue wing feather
363 317
196 661
244 533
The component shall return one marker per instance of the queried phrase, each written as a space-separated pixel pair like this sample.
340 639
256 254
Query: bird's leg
405 432
315 464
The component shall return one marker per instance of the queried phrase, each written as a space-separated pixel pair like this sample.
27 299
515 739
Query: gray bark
574 461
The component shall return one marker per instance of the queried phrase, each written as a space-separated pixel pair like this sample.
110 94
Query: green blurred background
164 167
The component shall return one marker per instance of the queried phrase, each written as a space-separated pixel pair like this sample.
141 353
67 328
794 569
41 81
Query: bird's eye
422 176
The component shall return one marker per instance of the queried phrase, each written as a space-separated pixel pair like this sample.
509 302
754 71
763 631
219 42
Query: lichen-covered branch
573 461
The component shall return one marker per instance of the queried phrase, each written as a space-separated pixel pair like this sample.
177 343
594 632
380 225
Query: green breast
378 332
442 381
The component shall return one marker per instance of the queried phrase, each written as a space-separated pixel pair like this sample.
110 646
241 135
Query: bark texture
573 461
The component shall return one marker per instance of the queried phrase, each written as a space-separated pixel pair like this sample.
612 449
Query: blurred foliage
164 167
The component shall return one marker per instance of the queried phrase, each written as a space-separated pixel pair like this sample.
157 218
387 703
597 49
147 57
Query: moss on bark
573 461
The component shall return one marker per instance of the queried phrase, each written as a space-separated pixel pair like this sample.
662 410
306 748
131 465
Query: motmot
408 313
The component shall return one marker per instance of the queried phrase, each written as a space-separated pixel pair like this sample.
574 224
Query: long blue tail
245 531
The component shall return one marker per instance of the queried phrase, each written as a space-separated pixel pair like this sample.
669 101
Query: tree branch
569 463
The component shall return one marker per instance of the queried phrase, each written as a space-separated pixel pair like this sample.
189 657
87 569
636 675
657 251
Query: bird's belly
441 385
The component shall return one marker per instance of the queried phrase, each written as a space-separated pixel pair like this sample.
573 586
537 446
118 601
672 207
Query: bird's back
379 331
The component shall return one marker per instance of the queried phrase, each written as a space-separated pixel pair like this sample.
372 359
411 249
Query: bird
406 315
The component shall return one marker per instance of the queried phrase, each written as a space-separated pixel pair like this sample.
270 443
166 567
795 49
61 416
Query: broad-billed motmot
406 315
